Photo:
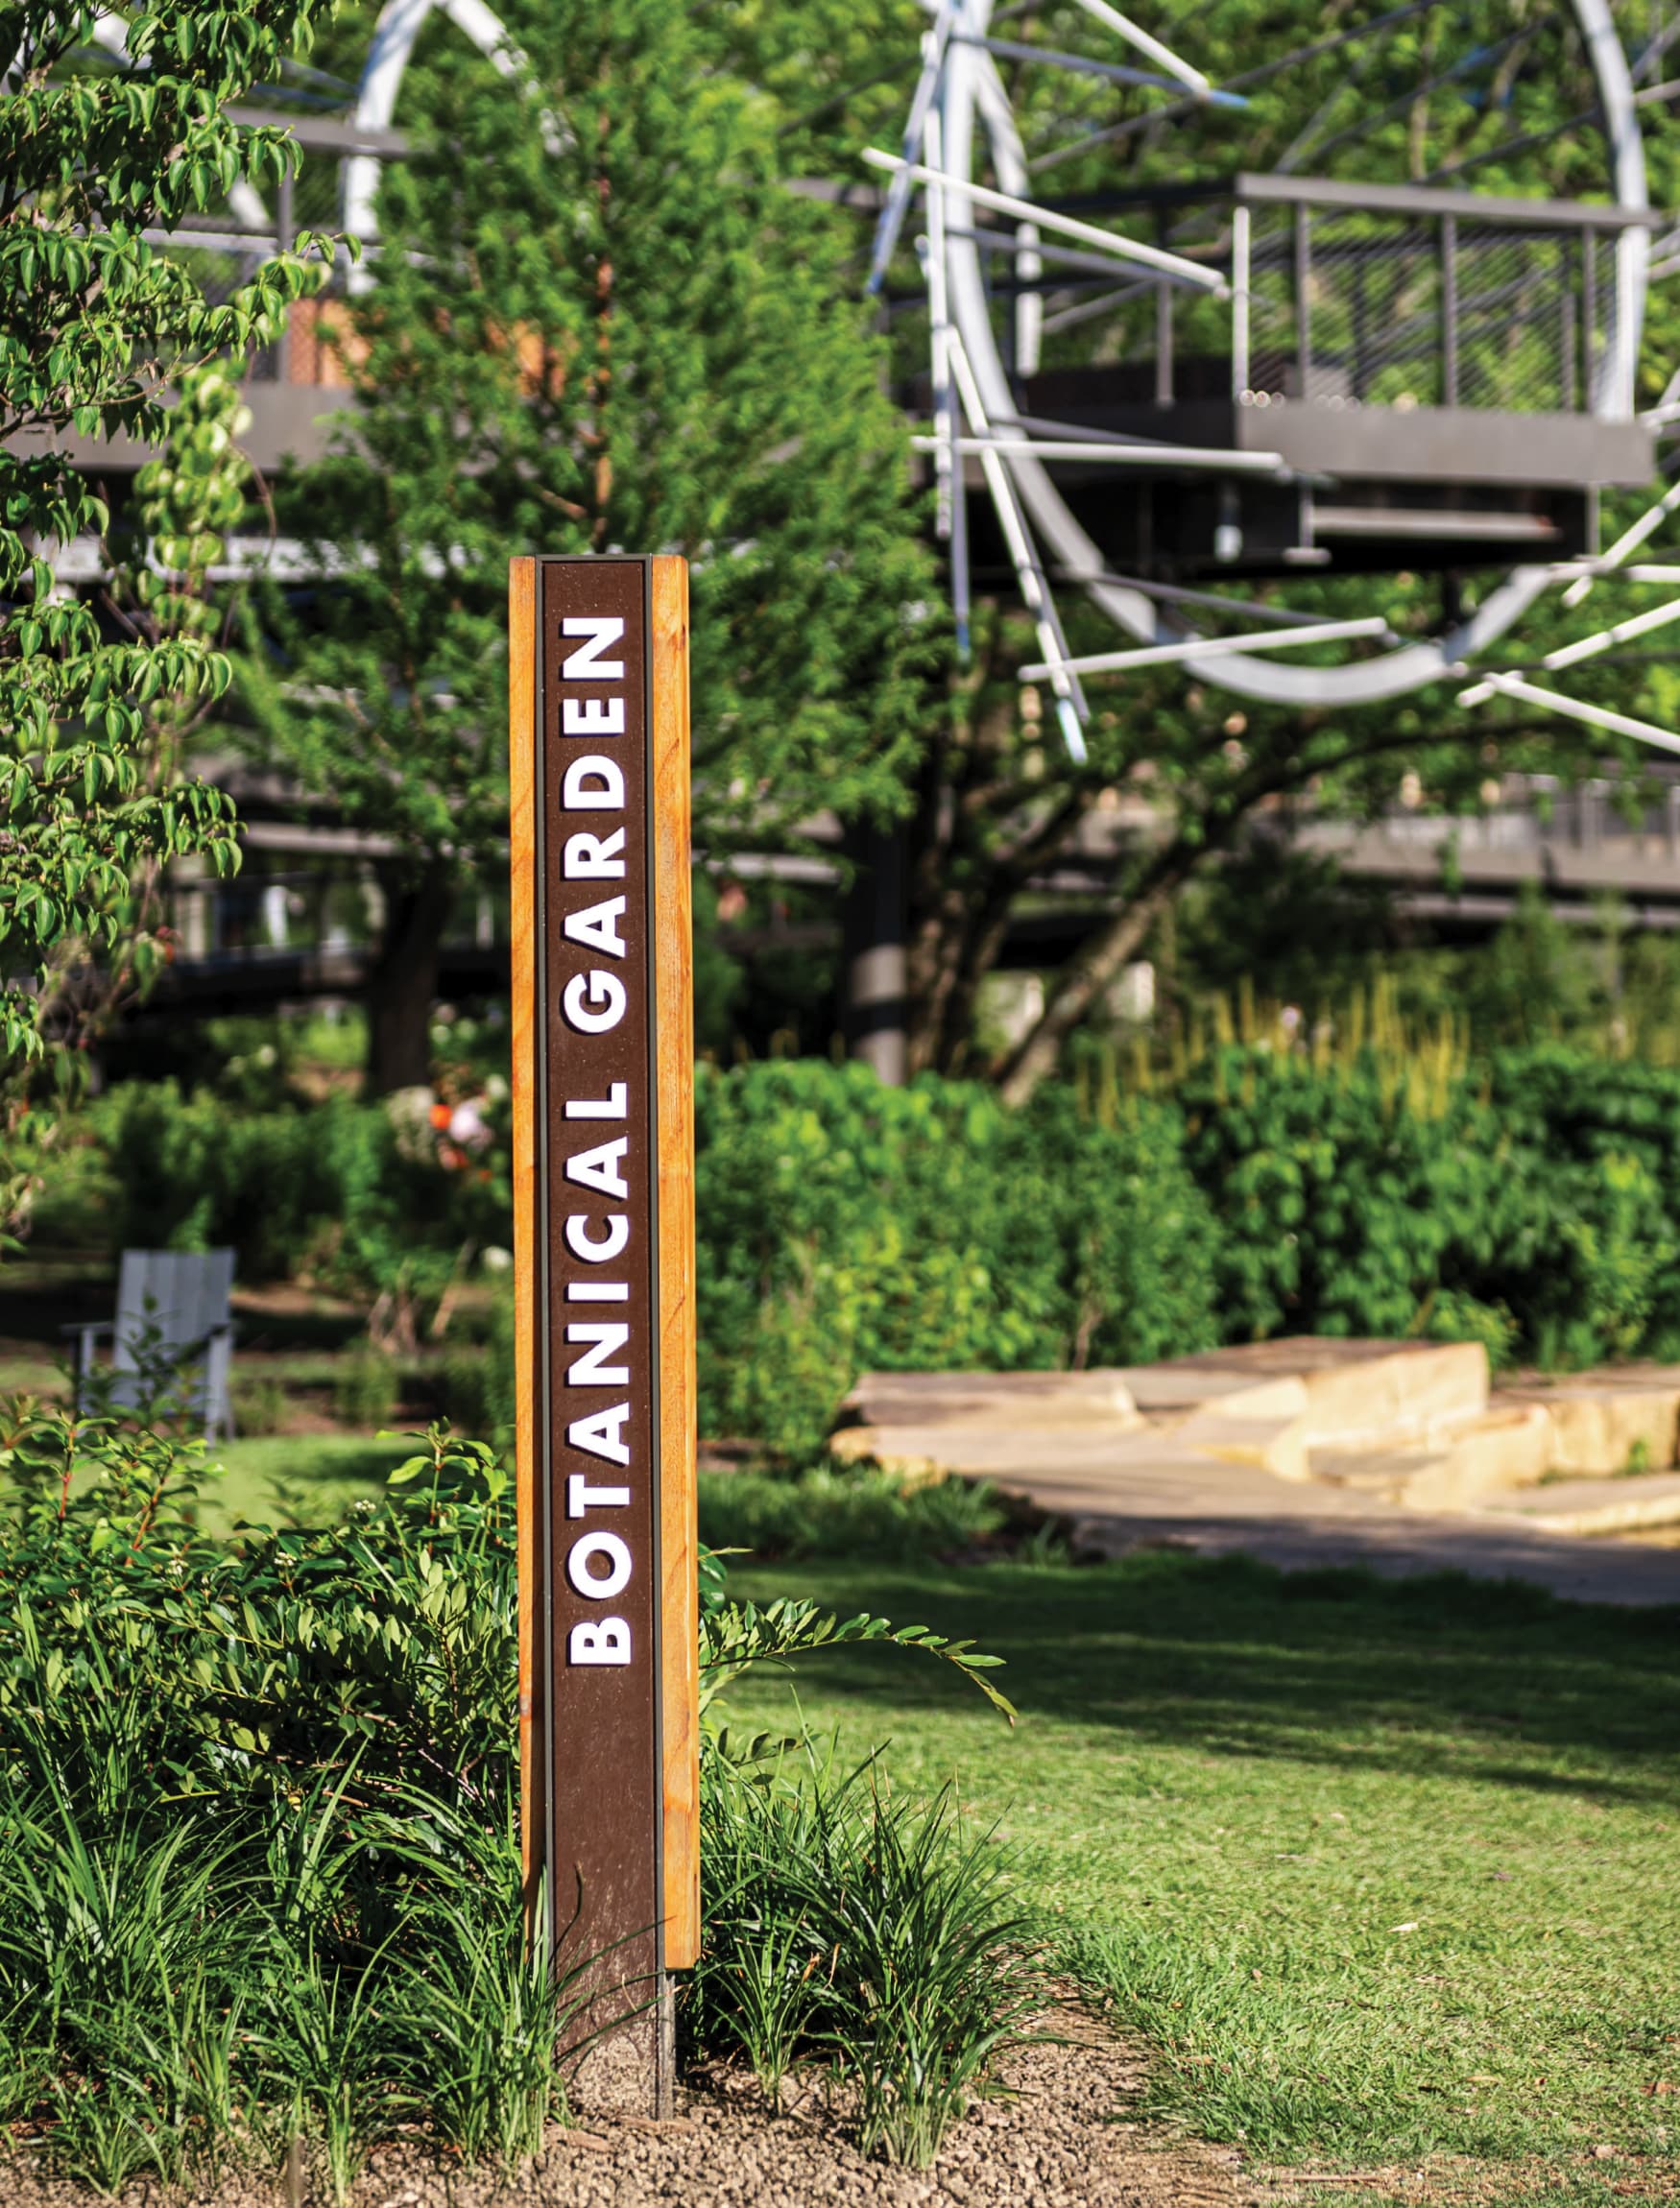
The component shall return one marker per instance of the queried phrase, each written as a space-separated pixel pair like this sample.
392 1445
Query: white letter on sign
586 664
591 717
580 1496
601 1167
609 1337
583 1244
594 784
605 1643
602 1433
596 927
584 1550
593 858
615 1105
594 1001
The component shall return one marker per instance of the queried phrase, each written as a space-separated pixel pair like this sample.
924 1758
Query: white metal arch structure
961 110
399 24
960 113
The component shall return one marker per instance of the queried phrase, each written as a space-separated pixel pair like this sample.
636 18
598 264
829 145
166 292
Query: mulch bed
1061 2139
1065 2136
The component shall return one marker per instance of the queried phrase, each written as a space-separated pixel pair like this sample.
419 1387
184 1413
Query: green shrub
1346 1198
843 1226
199 1912
478 1379
1532 1204
1591 1263
365 1389
277 1185
332 1189
259 1862
259 1406
842 1922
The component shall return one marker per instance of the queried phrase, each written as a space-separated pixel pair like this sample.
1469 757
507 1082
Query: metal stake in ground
604 1270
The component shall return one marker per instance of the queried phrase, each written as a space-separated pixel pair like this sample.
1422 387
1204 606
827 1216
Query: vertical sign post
603 1268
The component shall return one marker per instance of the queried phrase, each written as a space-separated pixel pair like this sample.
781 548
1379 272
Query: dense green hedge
1530 1200
344 1192
843 1226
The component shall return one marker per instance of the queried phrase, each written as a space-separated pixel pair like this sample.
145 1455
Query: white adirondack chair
183 1299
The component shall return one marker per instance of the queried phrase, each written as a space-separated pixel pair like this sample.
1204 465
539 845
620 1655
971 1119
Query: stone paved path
1132 1491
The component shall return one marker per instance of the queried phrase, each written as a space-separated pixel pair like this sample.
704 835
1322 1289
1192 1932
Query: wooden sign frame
604 1186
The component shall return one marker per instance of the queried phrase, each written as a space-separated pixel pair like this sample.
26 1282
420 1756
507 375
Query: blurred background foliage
1479 1146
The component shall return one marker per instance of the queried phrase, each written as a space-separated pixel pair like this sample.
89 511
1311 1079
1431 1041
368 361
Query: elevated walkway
1574 844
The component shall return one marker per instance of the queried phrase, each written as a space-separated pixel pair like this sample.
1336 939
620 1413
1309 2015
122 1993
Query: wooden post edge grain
523 742
674 1032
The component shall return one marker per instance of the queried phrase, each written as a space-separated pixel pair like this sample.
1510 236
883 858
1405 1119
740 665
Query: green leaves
845 1924
740 1634
636 338
1525 1201
262 1801
850 1227
94 325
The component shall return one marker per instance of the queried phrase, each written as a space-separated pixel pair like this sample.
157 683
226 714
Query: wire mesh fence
1345 310
1362 306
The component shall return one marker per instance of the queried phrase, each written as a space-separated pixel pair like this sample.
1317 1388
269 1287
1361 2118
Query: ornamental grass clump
260 1883
941 1968
869 1933
260 1889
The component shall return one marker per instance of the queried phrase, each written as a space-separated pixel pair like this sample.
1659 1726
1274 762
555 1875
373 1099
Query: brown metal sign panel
601 1044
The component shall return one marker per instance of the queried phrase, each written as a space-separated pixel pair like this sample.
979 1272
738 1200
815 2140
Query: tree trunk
966 870
873 960
1092 967
403 984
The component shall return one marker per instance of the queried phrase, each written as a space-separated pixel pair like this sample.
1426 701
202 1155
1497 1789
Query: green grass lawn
297 1479
23 1372
1385 1873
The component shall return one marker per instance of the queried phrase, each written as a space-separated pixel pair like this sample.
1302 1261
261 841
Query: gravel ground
1061 2140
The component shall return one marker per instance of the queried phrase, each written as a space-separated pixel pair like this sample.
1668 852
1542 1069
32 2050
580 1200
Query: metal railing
1584 837
1407 298
1368 296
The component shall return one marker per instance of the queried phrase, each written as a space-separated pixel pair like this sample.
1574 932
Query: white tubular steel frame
958 97
971 104
960 120
399 24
